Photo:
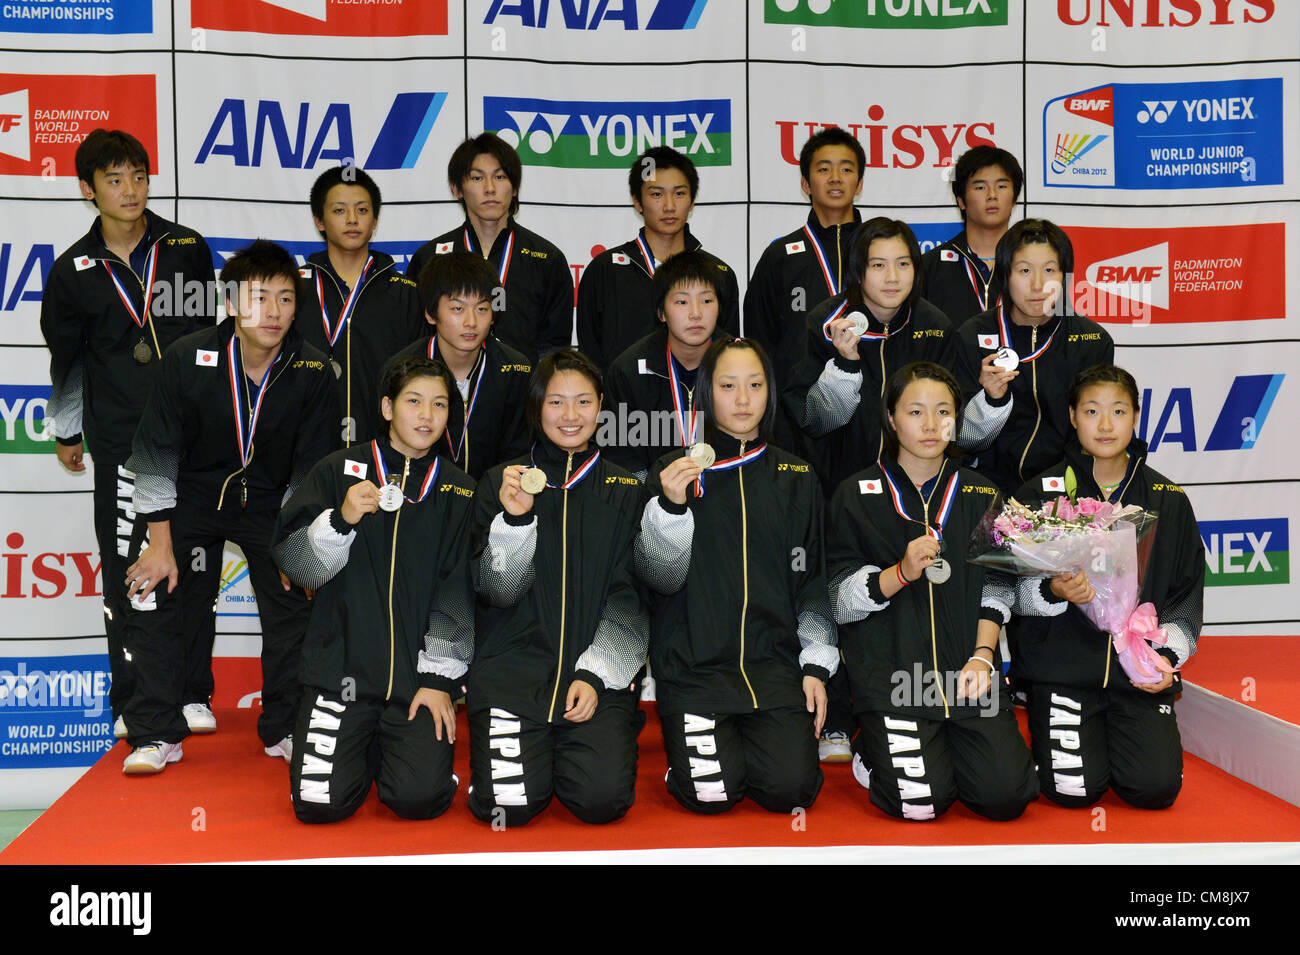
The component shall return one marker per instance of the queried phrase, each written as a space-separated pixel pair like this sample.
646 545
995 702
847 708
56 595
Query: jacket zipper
744 561
564 587
285 363
113 257
392 565
1038 410
347 347
929 586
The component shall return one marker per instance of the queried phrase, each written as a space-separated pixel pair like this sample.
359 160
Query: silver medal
338 369
859 321
703 454
533 481
390 497
1007 359
939 571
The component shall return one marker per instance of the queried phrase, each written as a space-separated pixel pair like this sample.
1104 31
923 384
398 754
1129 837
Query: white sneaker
119 728
151 758
199 718
860 772
281 750
834 748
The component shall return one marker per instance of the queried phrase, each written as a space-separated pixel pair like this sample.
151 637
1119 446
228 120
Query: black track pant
717 759
518 764
1088 739
340 748
161 651
920 767
114 524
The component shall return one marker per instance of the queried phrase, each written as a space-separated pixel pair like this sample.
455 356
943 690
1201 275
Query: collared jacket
639 421
953 283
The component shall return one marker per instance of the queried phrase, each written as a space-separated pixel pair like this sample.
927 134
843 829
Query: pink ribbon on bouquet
1133 644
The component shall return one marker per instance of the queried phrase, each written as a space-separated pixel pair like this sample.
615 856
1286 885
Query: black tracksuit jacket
638 381
947 271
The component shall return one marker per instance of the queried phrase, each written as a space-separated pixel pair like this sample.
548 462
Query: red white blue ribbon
151 269
1004 331
244 436
348 307
729 464
504 268
429 478
945 506
577 475
978 284
822 261
686 431
646 254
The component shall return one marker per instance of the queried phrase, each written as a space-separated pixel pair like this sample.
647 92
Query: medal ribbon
504 268
978 284
822 260
730 464
151 269
425 485
945 506
245 438
1005 332
893 328
576 476
688 435
348 307
645 254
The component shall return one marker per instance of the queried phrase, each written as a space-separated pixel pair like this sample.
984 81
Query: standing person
381 531
535 314
358 309
919 625
615 308
562 629
1015 362
959 275
1092 727
237 416
652 404
112 306
742 642
484 424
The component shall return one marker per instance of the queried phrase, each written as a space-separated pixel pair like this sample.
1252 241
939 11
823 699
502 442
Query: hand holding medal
362 498
678 475
921 556
516 481
847 332
997 371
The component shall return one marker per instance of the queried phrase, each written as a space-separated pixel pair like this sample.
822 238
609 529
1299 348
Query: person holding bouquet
918 624
1094 724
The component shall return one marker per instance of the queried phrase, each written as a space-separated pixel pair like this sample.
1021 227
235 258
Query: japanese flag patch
620 258
83 263
356 469
947 255
870 487
204 358
794 248
304 273
988 341
442 248
1054 484
641 367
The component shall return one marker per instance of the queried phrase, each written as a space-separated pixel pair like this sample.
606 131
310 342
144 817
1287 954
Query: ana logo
44 118
22 409
888 14
584 15
910 145
1238 426
322 18
76 16
31 267
398 145
1246 552
1166 135
605 135
1154 13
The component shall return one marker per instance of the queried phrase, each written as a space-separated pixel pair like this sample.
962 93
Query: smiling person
1118 734
484 424
112 306
742 643
535 313
381 531
562 630
959 275
1015 361
615 304
652 405
237 416
358 309
918 624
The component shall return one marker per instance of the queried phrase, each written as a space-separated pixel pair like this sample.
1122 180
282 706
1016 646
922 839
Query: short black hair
104 148
894 389
397 373
648 164
262 260
455 273
343 176
980 157
463 156
1033 232
860 253
831 136
709 366
566 359
1105 375
695 267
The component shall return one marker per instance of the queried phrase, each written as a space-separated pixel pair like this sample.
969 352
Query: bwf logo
76 908
15 131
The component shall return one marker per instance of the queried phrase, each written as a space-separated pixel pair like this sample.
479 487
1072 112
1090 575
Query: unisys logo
47 575
893 145
1163 13
323 17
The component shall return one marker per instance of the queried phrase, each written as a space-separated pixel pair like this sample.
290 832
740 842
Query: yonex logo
1157 110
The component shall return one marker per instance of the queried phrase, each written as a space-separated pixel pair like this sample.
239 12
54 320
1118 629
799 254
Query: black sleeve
591 317
63 324
202 269
762 303
557 322
317 434
308 547
729 316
